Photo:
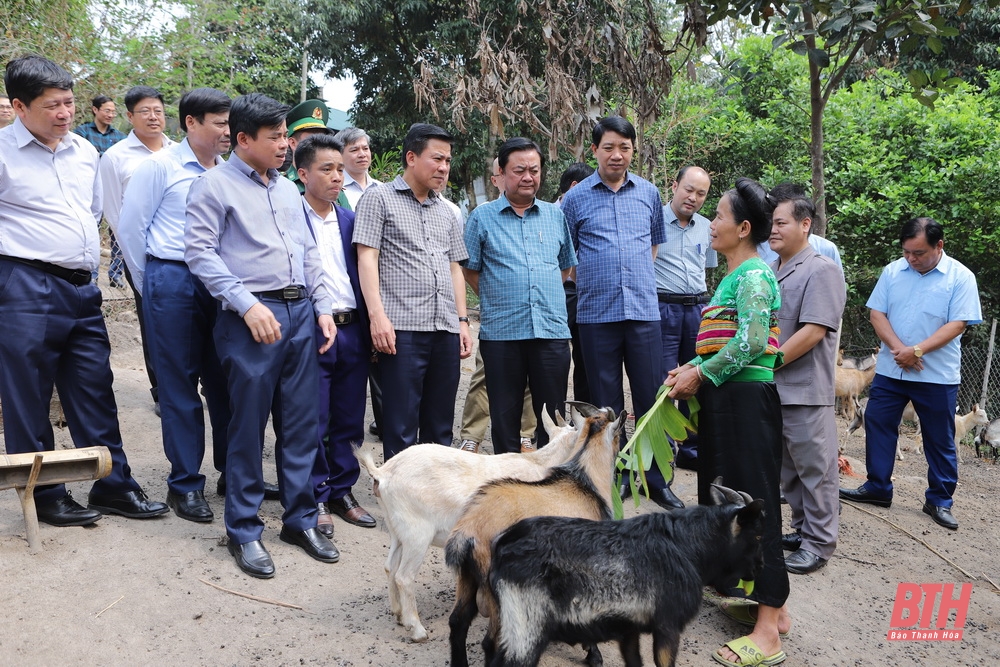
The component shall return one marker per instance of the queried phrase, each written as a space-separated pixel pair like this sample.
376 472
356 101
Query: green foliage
386 166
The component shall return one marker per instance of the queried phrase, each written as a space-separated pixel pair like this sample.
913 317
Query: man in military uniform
304 120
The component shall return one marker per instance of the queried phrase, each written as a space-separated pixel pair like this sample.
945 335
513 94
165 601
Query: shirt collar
629 180
505 204
187 156
247 170
944 266
23 136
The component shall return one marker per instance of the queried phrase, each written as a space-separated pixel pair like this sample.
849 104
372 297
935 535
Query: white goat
423 490
963 424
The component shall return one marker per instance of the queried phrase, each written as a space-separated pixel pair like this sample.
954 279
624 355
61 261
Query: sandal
749 654
742 613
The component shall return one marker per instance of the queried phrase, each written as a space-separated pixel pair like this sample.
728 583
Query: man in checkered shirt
409 249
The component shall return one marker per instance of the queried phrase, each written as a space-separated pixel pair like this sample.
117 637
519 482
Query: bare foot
769 645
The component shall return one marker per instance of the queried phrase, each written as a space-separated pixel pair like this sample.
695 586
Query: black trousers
543 364
740 429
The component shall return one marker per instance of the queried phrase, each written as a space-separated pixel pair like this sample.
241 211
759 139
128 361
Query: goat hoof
418 635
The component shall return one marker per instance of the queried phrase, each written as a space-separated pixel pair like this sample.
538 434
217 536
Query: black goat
578 580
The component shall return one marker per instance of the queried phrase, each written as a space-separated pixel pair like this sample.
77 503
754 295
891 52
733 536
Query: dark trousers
282 377
54 334
419 384
181 316
375 388
140 315
581 390
542 364
678 332
637 345
935 406
343 371
741 442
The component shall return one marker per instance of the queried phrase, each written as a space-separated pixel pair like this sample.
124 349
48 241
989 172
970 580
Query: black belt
346 317
683 299
77 277
291 293
150 258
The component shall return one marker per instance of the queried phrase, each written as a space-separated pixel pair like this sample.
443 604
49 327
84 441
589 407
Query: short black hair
137 93
929 227
419 135
515 145
802 206
615 124
750 201
100 101
574 173
28 77
200 101
248 113
305 152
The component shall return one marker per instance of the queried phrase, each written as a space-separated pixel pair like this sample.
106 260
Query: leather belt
683 299
290 293
77 277
346 317
150 258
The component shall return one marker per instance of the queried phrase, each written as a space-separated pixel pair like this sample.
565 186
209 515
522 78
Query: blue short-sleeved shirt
917 306
613 233
520 262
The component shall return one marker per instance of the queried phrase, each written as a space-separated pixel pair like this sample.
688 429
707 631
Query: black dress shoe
253 559
941 515
374 429
625 491
131 504
804 562
348 509
324 520
791 541
191 506
271 491
666 499
863 495
312 542
66 512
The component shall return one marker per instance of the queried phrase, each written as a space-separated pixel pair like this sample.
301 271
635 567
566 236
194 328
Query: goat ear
751 513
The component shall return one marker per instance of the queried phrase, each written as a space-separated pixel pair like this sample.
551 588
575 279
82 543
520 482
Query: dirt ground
127 592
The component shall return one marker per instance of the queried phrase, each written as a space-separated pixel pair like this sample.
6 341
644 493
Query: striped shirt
519 260
417 242
614 233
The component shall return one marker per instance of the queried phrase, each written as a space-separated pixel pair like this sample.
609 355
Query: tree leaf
819 57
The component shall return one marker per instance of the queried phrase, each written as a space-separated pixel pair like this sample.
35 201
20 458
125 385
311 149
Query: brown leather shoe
324 520
348 509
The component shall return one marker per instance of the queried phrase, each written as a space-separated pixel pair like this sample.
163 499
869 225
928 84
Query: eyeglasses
146 111
5 107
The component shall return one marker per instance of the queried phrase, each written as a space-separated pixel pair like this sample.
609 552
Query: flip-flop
749 654
740 612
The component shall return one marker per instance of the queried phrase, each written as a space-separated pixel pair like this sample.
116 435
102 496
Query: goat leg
629 646
461 618
594 657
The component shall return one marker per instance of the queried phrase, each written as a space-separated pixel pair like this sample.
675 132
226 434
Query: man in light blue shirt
519 253
680 280
179 312
247 240
919 308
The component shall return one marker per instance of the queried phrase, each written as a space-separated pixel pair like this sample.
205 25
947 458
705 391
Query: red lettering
961 605
907 602
930 594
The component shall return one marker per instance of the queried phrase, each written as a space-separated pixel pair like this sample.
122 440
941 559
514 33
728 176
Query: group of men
267 292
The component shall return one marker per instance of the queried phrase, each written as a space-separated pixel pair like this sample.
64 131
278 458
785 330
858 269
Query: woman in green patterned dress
740 421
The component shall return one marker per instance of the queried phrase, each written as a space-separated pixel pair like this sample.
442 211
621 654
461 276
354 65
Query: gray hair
349 135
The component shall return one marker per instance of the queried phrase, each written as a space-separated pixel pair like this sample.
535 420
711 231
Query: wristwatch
466 320
917 352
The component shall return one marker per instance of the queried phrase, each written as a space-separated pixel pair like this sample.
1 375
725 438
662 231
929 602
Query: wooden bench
24 472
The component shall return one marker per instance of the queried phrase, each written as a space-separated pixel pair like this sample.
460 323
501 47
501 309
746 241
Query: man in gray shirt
247 240
409 248
813 295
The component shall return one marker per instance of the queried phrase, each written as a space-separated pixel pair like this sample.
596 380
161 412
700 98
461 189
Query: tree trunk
305 71
817 105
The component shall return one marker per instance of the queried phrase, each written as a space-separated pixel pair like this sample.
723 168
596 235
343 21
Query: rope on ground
252 597
903 530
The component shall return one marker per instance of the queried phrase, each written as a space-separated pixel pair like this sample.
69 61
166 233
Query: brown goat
580 488
850 383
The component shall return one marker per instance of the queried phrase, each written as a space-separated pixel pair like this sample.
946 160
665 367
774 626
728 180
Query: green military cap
309 115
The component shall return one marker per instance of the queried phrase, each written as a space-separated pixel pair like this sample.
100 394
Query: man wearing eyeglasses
146 113
6 111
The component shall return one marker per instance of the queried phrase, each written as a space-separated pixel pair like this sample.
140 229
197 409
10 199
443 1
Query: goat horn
727 494
547 423
560 421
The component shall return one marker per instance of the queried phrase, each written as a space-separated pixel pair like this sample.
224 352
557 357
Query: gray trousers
809 474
